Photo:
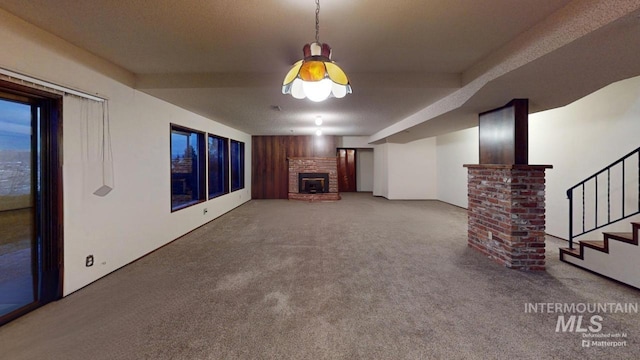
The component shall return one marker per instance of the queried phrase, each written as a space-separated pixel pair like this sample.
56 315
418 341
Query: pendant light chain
318 21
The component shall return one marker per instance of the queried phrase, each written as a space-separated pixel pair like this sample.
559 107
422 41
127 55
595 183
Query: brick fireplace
313 178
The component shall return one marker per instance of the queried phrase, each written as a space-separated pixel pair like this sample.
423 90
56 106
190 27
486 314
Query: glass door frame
48 249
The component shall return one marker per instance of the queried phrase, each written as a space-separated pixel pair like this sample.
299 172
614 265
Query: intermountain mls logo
585 319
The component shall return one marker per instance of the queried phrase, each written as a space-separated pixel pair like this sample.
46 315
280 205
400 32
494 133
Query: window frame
241 166
201 164
226 165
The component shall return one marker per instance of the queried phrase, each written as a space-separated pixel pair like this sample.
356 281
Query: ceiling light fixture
318 132
316 76
318 120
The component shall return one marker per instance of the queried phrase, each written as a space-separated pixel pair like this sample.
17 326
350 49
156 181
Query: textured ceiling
413 64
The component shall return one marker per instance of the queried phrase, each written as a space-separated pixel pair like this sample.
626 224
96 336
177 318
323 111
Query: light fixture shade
296 89
316 77
317 90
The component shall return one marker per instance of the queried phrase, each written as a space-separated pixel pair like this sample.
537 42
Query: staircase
602 200
617 257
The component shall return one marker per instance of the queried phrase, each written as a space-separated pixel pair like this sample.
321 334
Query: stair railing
580 188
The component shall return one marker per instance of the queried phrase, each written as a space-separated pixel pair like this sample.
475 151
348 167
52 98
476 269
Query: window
218 166
187 167
237 165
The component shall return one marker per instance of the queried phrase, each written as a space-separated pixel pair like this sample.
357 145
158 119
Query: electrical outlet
204 212
89 261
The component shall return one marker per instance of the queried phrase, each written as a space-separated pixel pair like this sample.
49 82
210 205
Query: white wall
581 139
355 142
364 169
412 170
453 151
135 218
381 170
406 171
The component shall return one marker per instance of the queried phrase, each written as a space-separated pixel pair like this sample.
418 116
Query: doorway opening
355 169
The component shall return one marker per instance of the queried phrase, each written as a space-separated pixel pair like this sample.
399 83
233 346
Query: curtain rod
50 85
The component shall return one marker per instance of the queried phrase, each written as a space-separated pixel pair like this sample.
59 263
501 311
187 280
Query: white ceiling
418 68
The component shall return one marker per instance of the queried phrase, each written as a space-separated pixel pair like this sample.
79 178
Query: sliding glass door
19 150
29 220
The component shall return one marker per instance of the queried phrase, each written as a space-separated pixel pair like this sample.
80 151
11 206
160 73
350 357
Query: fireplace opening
313 183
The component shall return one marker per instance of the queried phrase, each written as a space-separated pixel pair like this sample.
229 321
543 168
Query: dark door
347 170
29 194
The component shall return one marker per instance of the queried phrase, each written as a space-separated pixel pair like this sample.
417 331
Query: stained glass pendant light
316 76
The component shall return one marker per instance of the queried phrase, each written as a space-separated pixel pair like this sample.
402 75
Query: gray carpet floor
361 278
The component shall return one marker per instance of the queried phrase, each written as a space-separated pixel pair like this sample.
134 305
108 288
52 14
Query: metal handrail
594 177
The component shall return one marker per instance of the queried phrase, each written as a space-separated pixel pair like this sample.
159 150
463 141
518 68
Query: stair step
623 271
573 252
620 236
596 245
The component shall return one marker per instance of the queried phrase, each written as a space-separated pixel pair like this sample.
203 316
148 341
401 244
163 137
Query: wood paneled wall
504 134
269 172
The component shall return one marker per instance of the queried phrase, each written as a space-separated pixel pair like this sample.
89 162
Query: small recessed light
318 120
319 132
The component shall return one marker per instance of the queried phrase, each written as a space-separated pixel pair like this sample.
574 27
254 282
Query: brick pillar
507 214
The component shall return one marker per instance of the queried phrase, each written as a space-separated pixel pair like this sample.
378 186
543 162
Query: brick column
507 214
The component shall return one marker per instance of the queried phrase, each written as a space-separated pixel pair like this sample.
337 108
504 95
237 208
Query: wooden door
347 170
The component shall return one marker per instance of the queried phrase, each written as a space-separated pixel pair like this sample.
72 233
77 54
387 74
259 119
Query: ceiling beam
574 21
416 80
